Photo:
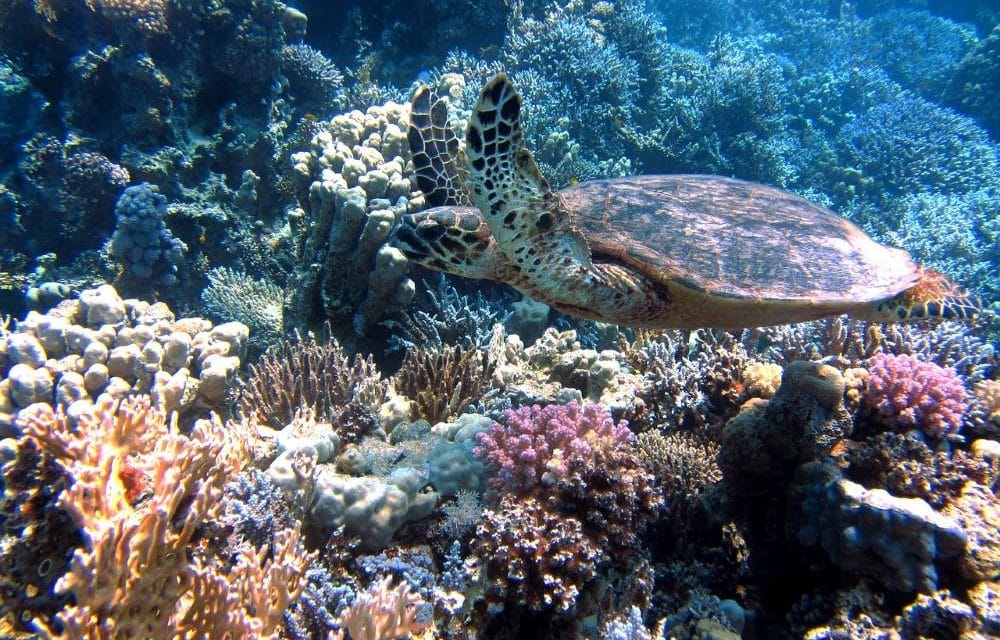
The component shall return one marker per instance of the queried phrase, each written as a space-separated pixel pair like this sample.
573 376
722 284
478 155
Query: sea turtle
646 251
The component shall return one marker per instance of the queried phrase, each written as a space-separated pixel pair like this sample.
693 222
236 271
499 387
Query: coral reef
305 374
353 186
909 393
142 240
234 296
102 346
535 556
140 491
443 384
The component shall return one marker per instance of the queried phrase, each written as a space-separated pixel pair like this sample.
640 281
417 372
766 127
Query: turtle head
453 239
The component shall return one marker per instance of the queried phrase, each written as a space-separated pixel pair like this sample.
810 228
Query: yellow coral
762 379
855 381
988 392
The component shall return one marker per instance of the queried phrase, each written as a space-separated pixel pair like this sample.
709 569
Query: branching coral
579 461
692 378
910 393
234 295
381 613
306 374
683 466
140 491
548 446
535 556
442 384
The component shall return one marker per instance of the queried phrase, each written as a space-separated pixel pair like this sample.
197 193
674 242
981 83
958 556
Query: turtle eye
430 231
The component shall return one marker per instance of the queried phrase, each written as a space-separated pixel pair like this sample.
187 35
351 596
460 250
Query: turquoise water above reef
295 342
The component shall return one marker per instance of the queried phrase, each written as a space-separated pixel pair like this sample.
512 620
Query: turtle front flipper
455 240
528 221
933 297
438 160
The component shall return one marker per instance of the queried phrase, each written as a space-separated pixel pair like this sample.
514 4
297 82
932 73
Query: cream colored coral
988 392
855 381
140 490
381 613
762 379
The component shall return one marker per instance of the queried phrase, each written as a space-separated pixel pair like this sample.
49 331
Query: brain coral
911 393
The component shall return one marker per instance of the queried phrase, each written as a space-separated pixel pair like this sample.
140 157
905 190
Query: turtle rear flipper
933 297
437 154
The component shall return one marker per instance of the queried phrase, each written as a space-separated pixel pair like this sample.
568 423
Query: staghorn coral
140 491
910 145
313 78
692 378
443 383
534 556
909 393
449 317
306 374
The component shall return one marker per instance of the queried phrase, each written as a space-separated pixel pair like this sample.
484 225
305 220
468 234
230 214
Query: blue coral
910 145
142 241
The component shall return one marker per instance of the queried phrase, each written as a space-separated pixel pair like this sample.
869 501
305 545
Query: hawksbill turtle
654 251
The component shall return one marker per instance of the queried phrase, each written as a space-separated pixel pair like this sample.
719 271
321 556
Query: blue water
253 162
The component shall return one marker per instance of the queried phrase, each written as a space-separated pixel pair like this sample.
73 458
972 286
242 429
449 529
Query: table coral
909 393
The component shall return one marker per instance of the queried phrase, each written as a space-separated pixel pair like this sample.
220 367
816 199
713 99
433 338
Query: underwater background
230 407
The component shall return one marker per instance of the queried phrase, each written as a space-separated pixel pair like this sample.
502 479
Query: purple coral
540 446
912 393
578 461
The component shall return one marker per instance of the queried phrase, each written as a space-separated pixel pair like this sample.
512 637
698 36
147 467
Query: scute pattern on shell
734 239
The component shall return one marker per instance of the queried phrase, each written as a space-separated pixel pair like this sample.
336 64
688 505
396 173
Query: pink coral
578 462
911 393
536 445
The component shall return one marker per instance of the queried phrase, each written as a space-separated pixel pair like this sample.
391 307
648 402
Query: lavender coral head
536 445
912 393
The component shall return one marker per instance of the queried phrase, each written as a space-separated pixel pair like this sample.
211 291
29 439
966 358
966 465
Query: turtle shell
734 239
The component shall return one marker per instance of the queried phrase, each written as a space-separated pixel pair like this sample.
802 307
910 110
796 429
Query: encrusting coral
140 491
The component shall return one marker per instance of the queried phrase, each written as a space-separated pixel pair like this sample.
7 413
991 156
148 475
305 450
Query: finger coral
909 393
